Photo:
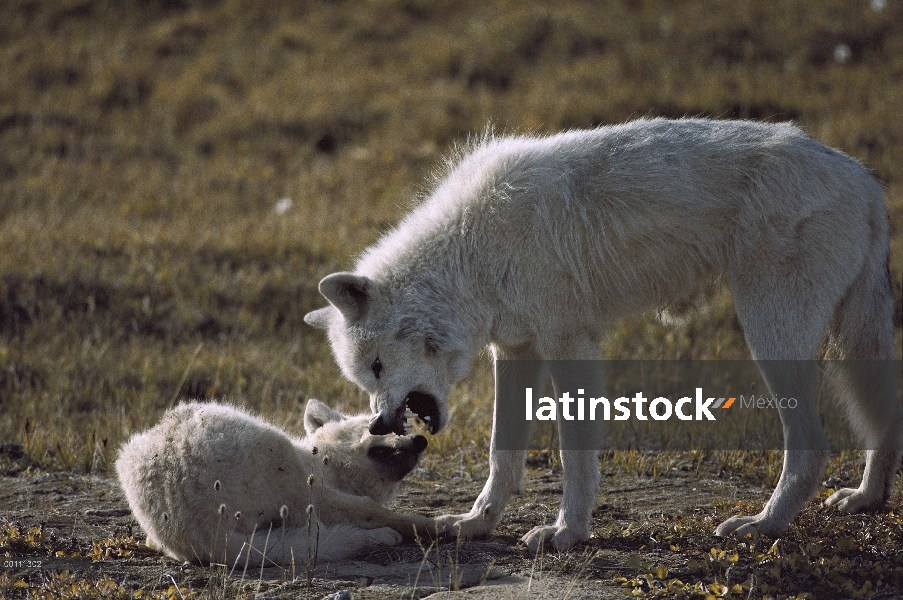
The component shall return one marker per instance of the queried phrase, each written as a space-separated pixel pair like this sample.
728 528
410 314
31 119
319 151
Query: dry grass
144 147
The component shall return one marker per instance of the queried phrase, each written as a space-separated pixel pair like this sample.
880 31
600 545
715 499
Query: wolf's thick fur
533 245
208 484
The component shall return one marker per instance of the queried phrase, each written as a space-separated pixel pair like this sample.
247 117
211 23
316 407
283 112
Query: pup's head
399 344
359 462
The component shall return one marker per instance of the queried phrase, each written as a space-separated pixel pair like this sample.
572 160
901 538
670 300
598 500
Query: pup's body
209 483
535 245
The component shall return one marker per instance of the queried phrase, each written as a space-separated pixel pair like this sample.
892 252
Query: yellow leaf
718 589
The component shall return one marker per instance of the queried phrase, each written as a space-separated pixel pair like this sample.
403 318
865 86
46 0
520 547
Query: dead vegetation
147 252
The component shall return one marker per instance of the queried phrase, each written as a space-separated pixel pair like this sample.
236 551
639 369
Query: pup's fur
534 245
170 474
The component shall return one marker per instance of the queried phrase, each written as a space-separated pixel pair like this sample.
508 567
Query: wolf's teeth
426 419
408 414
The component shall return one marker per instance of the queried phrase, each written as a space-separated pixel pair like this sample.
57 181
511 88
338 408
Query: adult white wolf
533 245
211 483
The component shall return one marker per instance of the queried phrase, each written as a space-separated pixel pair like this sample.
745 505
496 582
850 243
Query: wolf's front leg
508 447
580 442
581 484
506 469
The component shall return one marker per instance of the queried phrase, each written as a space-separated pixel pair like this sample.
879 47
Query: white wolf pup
533 245
211 483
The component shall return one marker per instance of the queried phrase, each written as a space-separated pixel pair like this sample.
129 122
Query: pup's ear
317 414
319 318
349 293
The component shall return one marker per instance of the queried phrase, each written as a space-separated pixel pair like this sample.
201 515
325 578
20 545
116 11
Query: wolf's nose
378 426
420 443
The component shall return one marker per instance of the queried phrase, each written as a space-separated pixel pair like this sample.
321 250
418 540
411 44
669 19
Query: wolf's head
398 343
358 462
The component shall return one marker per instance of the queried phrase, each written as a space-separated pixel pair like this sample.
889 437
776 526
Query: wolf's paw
853 500
465 527
750 525
383 536
557 537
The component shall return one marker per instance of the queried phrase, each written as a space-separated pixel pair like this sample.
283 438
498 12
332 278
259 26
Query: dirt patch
77 513
651 537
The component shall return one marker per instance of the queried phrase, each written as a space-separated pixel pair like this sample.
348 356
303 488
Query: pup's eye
376 367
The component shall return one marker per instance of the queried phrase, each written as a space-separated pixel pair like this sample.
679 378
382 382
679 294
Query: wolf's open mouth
425 407
417 404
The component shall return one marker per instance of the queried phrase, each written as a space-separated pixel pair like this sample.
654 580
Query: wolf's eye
376 367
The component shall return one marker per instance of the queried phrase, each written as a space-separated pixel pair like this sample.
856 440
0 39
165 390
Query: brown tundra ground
177 175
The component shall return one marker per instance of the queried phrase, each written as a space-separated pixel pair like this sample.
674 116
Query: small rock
13 451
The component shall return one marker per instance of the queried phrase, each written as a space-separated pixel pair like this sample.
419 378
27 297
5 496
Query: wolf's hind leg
784 316
805 453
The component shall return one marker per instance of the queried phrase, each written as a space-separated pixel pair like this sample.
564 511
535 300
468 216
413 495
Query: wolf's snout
384 423
378 425
420 443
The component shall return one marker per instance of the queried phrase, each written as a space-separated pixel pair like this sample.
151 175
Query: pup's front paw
853 500
557 537
465 527
761 523
429 528
383 536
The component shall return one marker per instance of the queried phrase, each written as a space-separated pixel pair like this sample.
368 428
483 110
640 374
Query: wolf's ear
319 318
317 414
349 293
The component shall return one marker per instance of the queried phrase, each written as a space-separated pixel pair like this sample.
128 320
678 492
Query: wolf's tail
862 336
862 327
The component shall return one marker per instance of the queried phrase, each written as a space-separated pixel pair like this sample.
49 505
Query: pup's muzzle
396 460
